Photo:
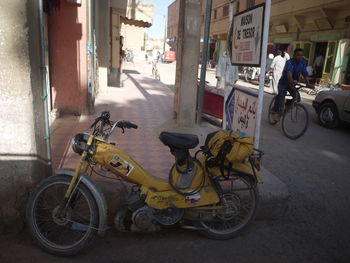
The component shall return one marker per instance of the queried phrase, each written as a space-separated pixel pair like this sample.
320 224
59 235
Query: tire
157 76
295 121
210 228
269 117
53 234
328 115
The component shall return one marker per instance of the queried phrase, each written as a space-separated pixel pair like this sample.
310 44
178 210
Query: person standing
318 67
277 67
226 73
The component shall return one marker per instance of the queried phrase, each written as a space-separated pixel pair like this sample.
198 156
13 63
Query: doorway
347 74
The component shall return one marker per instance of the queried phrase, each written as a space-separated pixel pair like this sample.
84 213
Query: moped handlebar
104 120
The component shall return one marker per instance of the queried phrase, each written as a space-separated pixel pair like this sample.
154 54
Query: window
225 11
215 13
250 3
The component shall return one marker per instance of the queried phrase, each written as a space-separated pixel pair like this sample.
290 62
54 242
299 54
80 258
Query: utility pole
204 61
262 72
165 25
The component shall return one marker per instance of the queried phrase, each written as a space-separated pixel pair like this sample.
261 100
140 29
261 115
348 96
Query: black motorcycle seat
179 140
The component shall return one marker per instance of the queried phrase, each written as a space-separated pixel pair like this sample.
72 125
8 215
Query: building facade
320 27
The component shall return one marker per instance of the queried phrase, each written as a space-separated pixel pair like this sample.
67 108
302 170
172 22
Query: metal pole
262 72
45 91
204 61
232 7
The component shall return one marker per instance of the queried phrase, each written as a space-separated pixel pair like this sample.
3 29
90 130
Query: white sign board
240 111
247 33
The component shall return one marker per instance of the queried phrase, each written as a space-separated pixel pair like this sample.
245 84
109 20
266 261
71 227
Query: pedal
185 179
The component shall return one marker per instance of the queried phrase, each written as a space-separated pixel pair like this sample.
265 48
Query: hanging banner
247 33
240 110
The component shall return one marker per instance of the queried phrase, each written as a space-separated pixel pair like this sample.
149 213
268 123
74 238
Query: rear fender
96 193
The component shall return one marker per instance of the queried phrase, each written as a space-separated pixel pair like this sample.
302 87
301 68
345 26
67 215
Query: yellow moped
67 210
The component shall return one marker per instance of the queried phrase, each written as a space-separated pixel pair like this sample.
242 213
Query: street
315 228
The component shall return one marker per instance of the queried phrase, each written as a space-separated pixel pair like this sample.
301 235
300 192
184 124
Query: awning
133 22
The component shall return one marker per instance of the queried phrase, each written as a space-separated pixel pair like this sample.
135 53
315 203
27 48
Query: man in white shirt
277 67
318 68
226 73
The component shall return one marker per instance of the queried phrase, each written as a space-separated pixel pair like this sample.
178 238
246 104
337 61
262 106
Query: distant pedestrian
269 60
286 55
318 68
146 57
277 67
225 72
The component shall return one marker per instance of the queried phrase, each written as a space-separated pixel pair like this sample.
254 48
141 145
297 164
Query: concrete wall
22 147
173 19
185 99
133 38
68 57
103 40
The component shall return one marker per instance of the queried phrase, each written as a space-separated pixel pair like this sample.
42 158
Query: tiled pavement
142 100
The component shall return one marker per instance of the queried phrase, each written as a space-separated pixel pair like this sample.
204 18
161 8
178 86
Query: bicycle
155 72
295 117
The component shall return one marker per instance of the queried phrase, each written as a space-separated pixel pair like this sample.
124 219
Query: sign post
247 36
249 47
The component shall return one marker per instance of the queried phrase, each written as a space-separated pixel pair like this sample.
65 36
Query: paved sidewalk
143 101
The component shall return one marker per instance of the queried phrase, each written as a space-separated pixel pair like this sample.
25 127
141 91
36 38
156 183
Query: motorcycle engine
143 220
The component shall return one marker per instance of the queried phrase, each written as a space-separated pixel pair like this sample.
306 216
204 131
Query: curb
273 193
274 197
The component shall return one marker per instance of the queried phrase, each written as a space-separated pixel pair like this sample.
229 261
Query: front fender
97 194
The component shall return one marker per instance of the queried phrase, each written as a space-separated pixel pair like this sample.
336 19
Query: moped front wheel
239 201
61 233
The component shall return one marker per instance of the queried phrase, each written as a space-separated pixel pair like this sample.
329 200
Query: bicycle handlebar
299 86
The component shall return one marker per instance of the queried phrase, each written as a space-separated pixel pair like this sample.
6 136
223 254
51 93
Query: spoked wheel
239 202
295 121
61 233
271 120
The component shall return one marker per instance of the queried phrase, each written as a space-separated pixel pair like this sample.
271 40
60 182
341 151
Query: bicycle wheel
295 121
66 234
271 120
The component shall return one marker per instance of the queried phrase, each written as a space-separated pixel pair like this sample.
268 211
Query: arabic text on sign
244 46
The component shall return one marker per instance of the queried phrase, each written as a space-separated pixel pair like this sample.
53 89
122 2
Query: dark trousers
282 91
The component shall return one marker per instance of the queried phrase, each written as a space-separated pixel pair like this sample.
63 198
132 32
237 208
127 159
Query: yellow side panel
162 200
119 163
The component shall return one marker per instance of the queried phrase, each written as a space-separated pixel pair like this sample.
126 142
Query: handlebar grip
132 125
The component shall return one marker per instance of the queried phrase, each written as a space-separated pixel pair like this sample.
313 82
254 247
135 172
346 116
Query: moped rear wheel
240 199
63 234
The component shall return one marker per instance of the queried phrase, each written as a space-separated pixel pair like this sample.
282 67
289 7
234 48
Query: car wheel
328 115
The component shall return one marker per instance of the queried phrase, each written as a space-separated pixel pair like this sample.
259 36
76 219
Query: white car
332 107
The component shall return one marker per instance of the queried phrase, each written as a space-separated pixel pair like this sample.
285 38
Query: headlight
79 142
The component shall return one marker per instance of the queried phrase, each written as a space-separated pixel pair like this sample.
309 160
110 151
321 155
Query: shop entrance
347 74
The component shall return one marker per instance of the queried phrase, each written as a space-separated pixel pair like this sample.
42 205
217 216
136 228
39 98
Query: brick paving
143 101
